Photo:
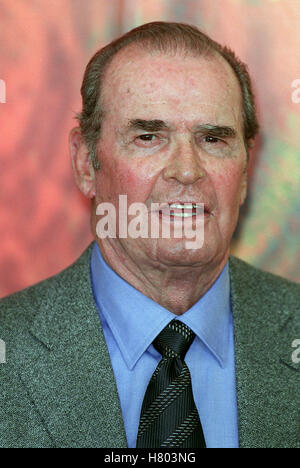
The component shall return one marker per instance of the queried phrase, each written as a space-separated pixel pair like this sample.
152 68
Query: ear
82 167
244 186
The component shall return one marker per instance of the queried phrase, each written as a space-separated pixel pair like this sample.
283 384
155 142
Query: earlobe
83 170
244 187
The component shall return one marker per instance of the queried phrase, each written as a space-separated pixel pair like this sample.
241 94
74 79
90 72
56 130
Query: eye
147 140
211 139
147 137
214 145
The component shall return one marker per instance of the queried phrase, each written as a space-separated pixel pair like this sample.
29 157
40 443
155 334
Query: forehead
172 87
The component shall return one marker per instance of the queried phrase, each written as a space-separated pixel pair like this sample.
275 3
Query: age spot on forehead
172 89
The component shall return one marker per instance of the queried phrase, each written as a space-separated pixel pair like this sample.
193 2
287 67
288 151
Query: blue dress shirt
130 323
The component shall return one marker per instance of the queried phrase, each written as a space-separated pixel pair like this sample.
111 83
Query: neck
176 288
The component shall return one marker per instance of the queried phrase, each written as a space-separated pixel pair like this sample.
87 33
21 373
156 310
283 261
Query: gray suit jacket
57 387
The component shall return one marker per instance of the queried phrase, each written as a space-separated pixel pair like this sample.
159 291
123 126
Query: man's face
172 133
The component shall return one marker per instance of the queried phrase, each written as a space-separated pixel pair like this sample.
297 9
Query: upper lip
186 203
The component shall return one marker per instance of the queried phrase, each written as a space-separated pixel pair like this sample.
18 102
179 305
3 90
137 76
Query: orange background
44 48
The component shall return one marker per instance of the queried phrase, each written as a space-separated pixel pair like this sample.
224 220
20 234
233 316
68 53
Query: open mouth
184 210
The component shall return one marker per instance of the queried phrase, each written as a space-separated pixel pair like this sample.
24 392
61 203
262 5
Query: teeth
188 206
183 215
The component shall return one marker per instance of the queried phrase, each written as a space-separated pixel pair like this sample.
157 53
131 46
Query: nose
185 165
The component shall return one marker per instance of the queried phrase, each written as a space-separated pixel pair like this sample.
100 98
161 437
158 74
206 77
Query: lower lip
178 214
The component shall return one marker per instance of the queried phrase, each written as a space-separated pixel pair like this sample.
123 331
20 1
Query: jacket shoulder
263 289
250 274
19 309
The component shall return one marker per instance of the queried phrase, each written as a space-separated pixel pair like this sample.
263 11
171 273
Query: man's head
169 115
166 38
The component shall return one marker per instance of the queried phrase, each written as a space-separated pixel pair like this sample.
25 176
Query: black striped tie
169 417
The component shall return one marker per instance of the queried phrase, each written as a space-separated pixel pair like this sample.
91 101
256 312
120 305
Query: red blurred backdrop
44 47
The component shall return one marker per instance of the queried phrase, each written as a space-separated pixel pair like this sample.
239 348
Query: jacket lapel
67 369
266 377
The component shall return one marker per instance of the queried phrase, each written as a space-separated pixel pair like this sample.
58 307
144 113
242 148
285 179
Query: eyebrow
147 125
217 130
157 125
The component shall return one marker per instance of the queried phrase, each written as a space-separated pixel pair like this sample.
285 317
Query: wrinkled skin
181 161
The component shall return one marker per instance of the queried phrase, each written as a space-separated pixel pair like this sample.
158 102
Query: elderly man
144 341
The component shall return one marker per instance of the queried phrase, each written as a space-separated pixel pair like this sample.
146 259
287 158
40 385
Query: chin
174 252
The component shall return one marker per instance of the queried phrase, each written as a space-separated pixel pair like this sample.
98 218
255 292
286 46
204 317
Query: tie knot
174 340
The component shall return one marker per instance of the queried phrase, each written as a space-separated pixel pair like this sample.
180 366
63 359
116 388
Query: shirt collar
135 320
